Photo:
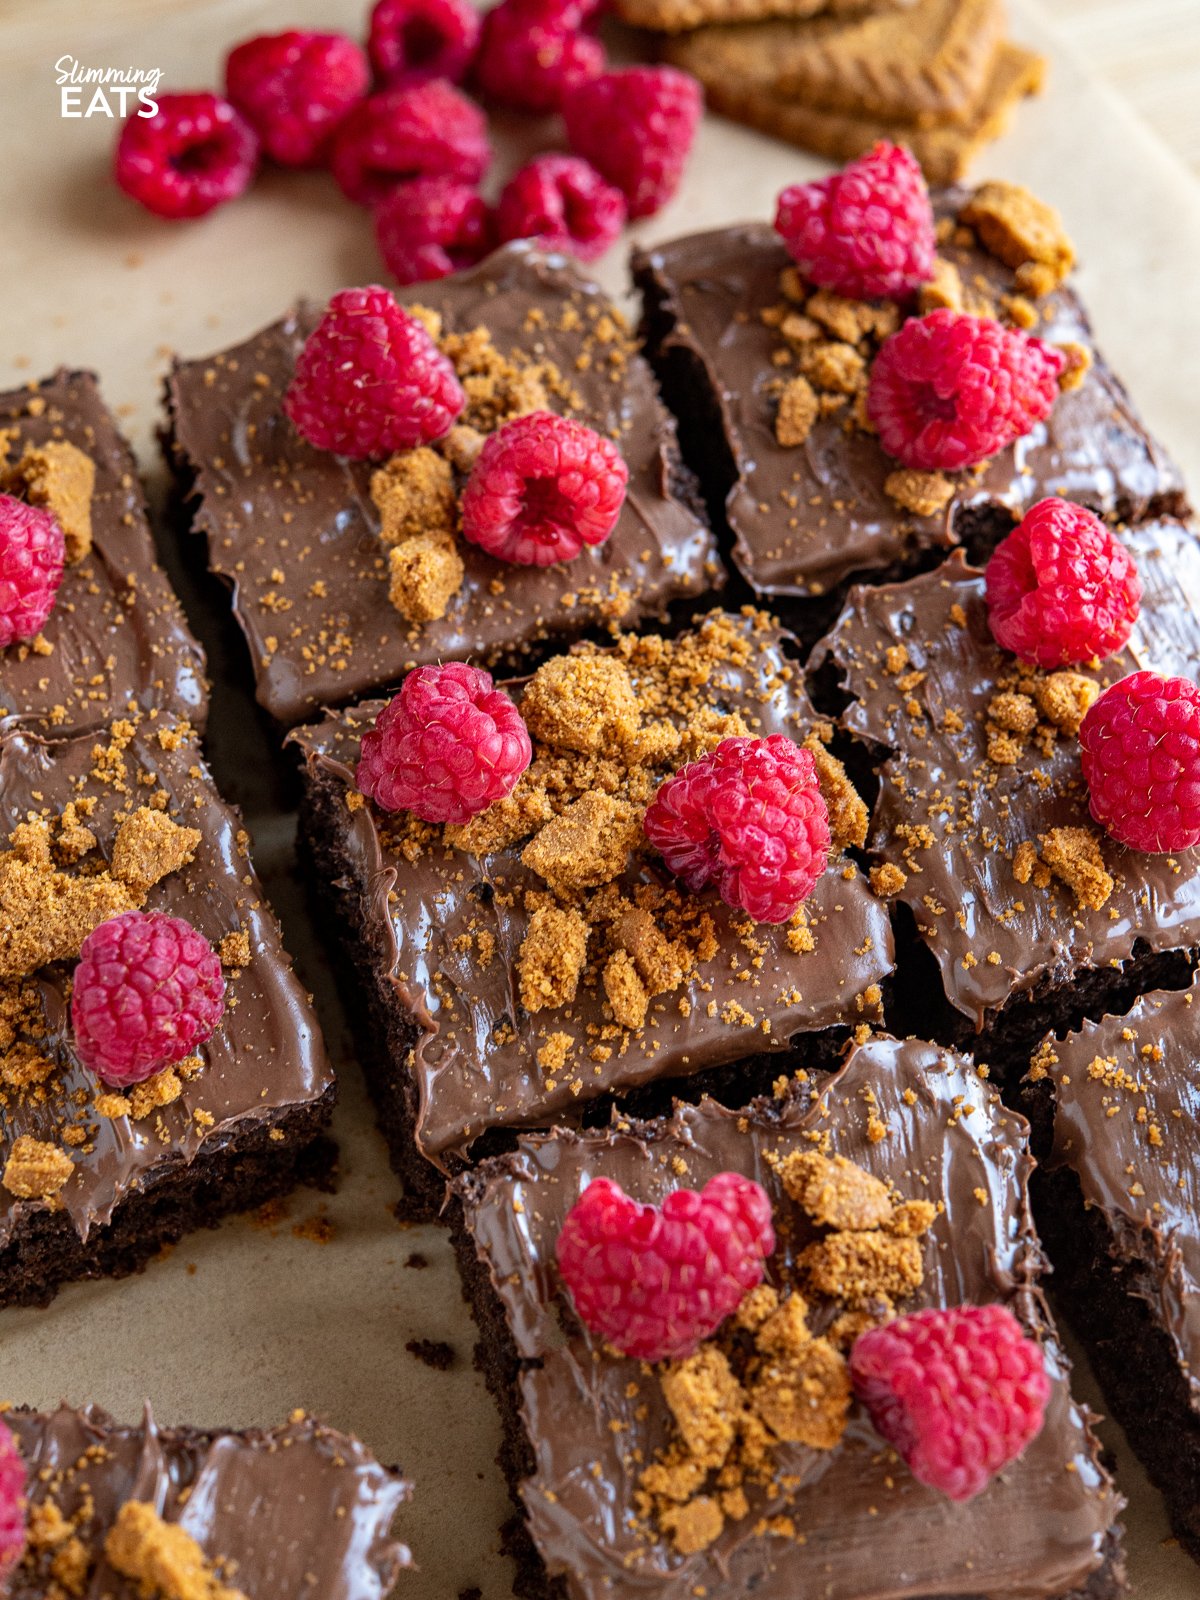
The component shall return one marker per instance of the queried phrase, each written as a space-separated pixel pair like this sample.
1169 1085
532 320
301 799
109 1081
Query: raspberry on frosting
148 989
370 381
653 1281
431 227
636 127
295 88
542 487
748 818
866 231
958 1393
534 55
32 557
949 390
411 41
1140 748
448 746
193 154
1061 588
563 203
12 1505
425 130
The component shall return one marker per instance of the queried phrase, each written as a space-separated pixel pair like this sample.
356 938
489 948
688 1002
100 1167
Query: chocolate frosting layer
294 533
475 1056
1127 1123
300 1511
808 516
865 1529
118 635
994 937
267 1053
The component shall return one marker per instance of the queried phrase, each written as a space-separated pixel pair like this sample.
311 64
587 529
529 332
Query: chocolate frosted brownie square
518 970
809 494
593 1438
1032 914
94 1181
1114 1111
302 537
134 1509
116 640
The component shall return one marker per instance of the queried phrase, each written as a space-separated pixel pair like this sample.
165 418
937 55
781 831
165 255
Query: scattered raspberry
12 1504
446 747
636 127
748 818
148 990
654 1281
1140 748
432 226
196 152
370 381
865 232
564 204
541 488
295 88
411 41
533 55
1061 588
428 130
32 557
958 1393
949 390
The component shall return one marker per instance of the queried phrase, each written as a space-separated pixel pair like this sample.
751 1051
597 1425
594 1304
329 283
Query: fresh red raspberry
949 390
636 127
446 747
428 130
564 204
370 381
295 88
1140 749
411 41
865 232
958 1393
533 54
541 488
749 819
194 153
654 1281
32 557
148 990
12 1505
432 226
1061 588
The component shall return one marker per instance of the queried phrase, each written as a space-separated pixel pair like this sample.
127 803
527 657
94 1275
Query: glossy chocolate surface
807 517
300 1511
267 1052
865 1529
992 936
1126 1121
118 634
294 533
475 1056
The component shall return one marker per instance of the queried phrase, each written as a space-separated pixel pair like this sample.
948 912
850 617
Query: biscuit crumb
835 1192
234 950
161 1557
805 1399
887 879
922 493
35 1169
625 990
583 703
149 847
1023 232
586 845
425 573
798 411
61 478
552 957
1074 856
1064 699
414 495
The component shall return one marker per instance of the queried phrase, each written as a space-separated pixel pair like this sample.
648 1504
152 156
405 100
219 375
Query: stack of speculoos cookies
833 76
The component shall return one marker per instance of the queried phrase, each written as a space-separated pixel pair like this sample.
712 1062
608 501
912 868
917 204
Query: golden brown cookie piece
673 16
945 153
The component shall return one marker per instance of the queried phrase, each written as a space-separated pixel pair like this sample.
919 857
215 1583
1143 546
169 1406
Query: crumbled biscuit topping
60 477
